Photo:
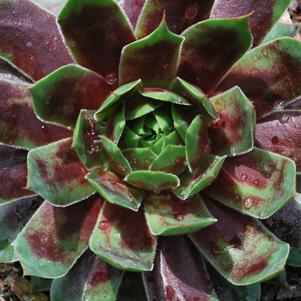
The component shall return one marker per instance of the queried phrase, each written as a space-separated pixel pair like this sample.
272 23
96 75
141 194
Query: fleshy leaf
86 139
196 142
280 133
89 279
210 49
61 95
263 14
152 180
140 158
239 247
269 75
182 117
94 44
281 30
154 58
286 225
30 39
170 160
116 240
168 215
203 176
9 73
53 6
56 237
179 274
19 126
56 173
132 8
13 217
179 14
233 133
13 174
113 189
258 183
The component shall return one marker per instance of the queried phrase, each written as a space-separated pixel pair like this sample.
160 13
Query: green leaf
203 176
168 215
170 160
140 158
258 183
113 189
89 279
56 174
233 133
56 237
269 75
240 248
35 49
210 49
152 180
61 95
281 30
94 44
116 240
182 117
154 58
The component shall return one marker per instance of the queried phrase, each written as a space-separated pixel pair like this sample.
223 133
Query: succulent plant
122 122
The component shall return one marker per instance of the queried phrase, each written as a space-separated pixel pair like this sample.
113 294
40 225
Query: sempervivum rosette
113 137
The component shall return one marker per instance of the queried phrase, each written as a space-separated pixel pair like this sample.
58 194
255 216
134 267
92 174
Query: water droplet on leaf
248 202
244 177
111 78
104 225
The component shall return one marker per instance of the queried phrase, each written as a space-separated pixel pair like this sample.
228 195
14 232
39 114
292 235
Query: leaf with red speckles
61 95
56 173
286 225
56 237
13 174
13 217
239 247
269 75
53 6
152 180
280 133
116 240
113 189
132 8
170 160
167 215
179 14
154 58
257 184
19 126
95 31
140 158
210 49
201 177
30 39
89 279
179 274
263 13
86 139
233 133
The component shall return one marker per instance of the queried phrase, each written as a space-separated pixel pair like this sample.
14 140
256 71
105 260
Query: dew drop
165 66
104 225
28 44
248 202
256 182
117 235
180 217
284 119
45 129
275 140
244 177
111 78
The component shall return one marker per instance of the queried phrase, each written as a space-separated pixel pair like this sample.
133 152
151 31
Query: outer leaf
9 73
13 217
19 125
258 183
53 6
13 174
269 75
168 215
116 240
233 133
264 14
94 44
154 58
56 237
281 30
55 173
152 180
280 133
61 95
30 39
211 48
179 274
90 279
286 225
203 176
132 9
114 190
179 14
239 247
